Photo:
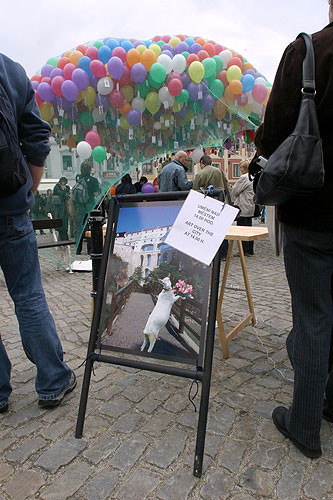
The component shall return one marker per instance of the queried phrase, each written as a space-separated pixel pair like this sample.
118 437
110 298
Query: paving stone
213 444
235 399
139 485
116 407
6 443
95 426
176 403
221 421
218 487
265 408
189 419
242 496
178 486
129 452
6 471
128 381
167 449
100 449
61 453
258 481
24 416
232 455
25 450
148 405
57 429
24 485
321 482
68 483
127 423
290 483
158 423
28 429
101 486
135 393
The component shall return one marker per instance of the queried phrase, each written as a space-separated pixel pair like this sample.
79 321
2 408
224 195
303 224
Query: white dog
160 314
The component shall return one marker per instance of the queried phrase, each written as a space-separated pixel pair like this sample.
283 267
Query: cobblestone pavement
140 429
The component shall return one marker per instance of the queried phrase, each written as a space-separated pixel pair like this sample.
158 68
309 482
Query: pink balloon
117 99
56 85
175 87
172 75
68 70
126 78
259 92
93 139
92 52
97 68
119 52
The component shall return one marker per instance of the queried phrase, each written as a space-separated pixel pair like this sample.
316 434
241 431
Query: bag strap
308 77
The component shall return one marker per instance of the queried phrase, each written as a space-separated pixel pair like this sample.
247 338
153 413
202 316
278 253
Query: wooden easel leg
246 282
223 340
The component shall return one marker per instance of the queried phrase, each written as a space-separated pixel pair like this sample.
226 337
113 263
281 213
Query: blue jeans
20 265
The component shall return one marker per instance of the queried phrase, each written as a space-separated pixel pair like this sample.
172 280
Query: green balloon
195 107
183 96
185 54
99 154
210 67
98 43
86 118
216 88
219 63
157 73
67 123
142 89
153 83
160 43
53 61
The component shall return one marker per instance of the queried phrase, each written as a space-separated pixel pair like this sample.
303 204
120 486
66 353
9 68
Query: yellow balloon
174 41
177 106
123 123
128 92
141 48
67 53
80 96
234 73
155 48
45 111
219 110
196 71
89 95
152 102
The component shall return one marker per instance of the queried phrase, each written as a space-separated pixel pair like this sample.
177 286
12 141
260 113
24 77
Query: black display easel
100 260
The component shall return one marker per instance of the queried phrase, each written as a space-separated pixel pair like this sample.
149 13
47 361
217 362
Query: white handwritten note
201 226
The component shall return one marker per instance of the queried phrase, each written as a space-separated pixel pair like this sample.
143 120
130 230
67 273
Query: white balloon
166 62
97 116
84 150
139 104
261 79
105 85
225 55
178 63
157 126
196 156
165 96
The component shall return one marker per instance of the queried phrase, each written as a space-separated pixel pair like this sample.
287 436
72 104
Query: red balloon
202 54
117 99
173 75
191 58
92 52
235 61
62 62
209 48
46 79
222 75
175 87
36 78
240 57
126 78
56 85
82 48
68 70
97 68
166 38
38 99
119 52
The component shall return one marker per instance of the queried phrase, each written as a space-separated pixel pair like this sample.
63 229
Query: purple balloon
93 80
186 80
69 90
138 42
148 187
73 113
249 72
56 72
167 46
103 101
116 67
34 84
138 73
194 89
62 103
183 112
80 78
133 117
195 48
46 70
45 92
208 103
181 47
168 53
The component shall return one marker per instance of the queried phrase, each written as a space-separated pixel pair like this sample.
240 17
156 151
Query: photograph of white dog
160 314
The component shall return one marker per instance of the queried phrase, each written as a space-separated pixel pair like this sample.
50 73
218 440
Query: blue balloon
104 53
189 41
84 63
247 82
127 45
112 43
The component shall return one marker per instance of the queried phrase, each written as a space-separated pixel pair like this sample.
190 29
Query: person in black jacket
308 246
126 186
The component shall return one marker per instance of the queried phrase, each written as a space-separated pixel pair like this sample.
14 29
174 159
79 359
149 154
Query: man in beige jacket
208 175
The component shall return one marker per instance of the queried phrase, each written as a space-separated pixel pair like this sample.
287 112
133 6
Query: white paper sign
201 226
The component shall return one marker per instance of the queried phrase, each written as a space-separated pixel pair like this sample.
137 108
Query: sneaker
327 414
278 419
4 407
52 403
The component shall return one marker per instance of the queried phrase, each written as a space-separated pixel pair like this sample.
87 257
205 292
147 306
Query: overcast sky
31 32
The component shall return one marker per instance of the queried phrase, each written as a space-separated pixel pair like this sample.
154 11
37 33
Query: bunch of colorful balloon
151 95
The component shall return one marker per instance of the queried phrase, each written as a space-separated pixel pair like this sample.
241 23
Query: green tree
137 275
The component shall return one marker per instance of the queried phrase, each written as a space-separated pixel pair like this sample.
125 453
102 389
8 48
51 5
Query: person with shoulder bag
306 216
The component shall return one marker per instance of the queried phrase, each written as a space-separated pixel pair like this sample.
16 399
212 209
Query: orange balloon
246 66
125 108
67 53
75 57
112 190
236 87
219 110
148 58
71 143
269 90
228 96
132 57
201 41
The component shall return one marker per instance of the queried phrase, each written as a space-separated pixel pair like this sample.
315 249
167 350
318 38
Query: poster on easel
155 297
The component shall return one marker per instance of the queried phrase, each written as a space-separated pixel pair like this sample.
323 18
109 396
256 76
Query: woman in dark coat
126 186
61 193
